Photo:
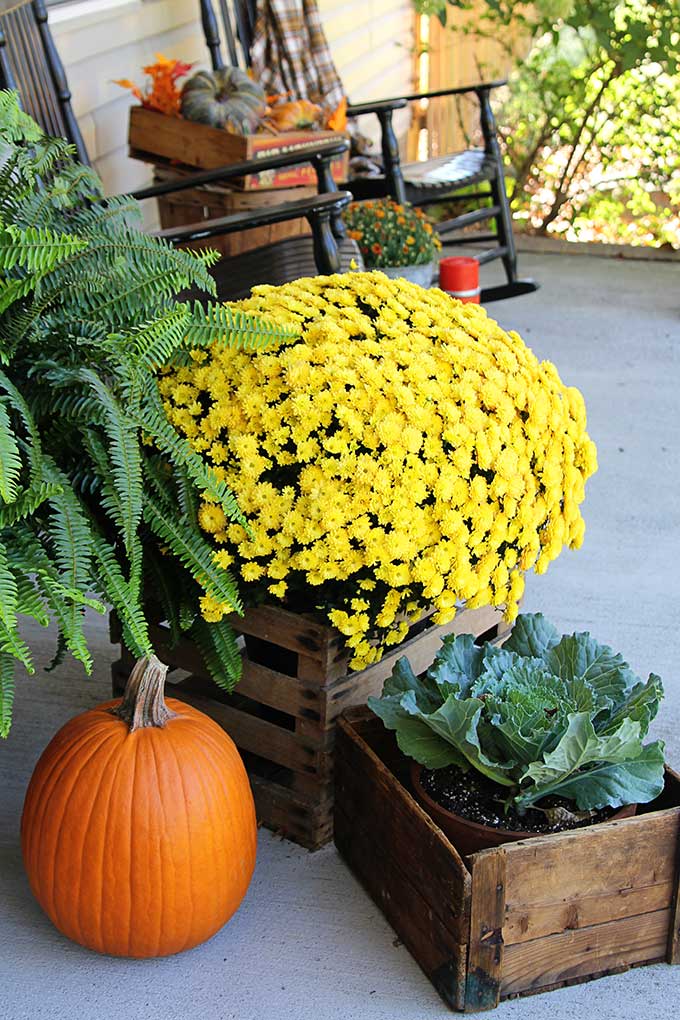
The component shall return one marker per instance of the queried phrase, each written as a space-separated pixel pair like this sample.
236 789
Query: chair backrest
29 63
231 22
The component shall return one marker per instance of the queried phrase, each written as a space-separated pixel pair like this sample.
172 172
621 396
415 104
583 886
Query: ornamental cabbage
543 715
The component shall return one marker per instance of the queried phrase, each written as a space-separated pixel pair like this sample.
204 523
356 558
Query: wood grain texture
197 205
673 954
406 905
605 872
289 721
420 651
570 955
198 145
370 794
407 865
486 951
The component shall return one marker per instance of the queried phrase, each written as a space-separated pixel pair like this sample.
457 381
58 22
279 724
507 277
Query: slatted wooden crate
210 202
526 917
283 714
152 135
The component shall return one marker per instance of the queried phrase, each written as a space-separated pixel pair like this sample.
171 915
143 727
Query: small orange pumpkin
138 831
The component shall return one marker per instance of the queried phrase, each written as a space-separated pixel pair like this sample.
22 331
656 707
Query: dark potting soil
476 798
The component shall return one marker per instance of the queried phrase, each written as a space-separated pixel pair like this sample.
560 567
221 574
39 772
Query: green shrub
590 123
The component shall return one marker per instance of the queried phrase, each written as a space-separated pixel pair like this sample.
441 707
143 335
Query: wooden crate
283 714
526 917
196 205
152 135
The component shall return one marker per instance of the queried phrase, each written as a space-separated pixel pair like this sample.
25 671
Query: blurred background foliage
590 119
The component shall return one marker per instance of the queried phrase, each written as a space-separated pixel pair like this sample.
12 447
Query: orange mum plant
160 92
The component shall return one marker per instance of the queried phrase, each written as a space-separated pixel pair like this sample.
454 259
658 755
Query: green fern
6 690
35 249
117 591
220 324
194 553
27 503
10 458
126 463
217 644
98 492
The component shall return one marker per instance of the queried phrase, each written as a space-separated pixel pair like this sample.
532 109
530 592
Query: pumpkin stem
143 703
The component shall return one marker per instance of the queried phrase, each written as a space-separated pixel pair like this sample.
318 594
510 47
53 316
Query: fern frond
8 593
29 600
194 553
217 644
221 325
6 680
59 654
10 458
17 126
36 249
70 531
12 291
48 152
78 598
133 621
26 504
12 643
153 421
34 447
116 212
126 464
152 344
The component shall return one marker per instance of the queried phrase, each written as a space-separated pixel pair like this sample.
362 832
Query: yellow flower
401 452
211 517
211 609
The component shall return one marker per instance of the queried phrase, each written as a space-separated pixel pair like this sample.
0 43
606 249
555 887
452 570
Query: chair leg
391 159
325 183
326 253
514 286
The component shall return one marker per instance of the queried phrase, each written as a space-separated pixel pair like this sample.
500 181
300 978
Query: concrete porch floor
308 942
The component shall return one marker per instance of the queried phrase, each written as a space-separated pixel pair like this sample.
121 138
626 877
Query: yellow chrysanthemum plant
404 452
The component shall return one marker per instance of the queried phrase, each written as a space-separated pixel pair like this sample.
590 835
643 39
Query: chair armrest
319 206
359 109
307 154
458 90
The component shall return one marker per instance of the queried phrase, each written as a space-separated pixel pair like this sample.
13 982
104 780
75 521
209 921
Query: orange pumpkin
139 831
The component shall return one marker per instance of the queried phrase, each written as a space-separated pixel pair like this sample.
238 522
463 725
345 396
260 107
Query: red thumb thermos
459 277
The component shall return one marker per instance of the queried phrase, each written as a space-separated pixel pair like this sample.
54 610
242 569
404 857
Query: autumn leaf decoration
160 91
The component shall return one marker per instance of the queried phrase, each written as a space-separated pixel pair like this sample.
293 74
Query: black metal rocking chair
30 64
421 184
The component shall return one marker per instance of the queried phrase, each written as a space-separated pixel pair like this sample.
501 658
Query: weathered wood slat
369 793
293 631
261 685
420 651
429 940
575 879
287 721
565 956
302 819
258 735
487 912
152 135
614 880
539 920
673 955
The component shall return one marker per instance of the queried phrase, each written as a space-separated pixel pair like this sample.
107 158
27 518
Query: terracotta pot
469 837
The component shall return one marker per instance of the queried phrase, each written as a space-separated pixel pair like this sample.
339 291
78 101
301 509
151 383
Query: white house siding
101 40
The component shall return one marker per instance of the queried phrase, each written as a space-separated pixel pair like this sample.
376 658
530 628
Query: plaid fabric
290 53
